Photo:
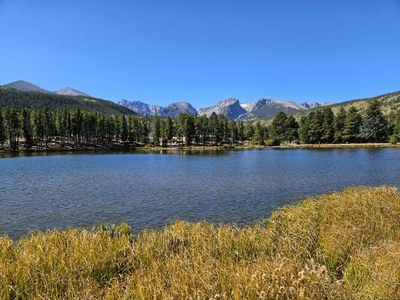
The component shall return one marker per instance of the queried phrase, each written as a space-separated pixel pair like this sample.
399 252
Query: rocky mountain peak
67 91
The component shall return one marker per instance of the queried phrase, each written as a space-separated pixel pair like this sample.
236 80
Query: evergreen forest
44 129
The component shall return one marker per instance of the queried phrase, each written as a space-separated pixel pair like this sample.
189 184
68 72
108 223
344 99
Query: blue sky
204 51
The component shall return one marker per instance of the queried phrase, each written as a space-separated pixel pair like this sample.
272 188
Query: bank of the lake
90 148
335 246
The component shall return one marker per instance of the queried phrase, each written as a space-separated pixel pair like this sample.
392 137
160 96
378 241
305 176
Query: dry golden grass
335 246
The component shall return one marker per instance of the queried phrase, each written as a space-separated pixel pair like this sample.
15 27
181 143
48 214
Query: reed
335 246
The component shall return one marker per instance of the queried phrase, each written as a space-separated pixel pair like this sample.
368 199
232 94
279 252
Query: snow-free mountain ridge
67 91
25 86
231 108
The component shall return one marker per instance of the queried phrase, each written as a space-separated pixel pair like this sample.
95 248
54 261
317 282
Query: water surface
151 190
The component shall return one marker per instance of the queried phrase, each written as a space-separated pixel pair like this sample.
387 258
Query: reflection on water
150 190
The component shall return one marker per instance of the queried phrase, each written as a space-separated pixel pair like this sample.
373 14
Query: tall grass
335 246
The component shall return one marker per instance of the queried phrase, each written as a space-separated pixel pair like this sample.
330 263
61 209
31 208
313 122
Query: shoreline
146 148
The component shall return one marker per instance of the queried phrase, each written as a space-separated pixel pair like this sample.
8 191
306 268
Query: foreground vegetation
340 245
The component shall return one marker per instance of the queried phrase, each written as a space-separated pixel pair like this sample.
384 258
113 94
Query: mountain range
30 87
231 108
25 93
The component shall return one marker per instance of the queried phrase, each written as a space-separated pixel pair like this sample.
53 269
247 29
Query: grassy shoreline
334 246
147 148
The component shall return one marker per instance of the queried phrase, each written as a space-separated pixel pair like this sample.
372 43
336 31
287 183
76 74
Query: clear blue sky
204 51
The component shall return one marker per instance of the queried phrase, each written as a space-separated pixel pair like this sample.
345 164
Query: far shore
55 147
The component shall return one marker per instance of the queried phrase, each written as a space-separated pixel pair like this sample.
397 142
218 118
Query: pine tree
37 126
303 130
144 130
315 119
395 137
248 131
76 124
339 122
223 128
2 129
169 129
11 126
62 124
89 125
351 132
328 130
201 129
156 130
101 128
25 121
258 137
291 129
189 129
277 130
395 124
233 129
48 125
375 127
240 131
213 126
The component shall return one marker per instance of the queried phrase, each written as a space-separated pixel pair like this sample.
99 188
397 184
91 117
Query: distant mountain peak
174 109
231 108
67 91
26 86
140 107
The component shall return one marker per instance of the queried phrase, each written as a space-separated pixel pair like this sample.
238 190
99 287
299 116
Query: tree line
322 126
42 128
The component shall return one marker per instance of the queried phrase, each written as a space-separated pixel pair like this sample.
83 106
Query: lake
151 190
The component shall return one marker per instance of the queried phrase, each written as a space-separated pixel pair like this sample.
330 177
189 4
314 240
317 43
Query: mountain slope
140 107
67 91
173 110
230 108
37 100
389 103
25 86
265 108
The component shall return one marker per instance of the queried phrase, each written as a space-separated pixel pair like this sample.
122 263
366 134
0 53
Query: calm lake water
151 190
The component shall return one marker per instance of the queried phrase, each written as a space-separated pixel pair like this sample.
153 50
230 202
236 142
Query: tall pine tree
375 127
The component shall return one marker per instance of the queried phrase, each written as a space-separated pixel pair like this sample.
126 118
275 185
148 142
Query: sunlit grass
335 246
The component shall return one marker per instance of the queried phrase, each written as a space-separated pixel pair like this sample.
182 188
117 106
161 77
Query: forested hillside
34 100
389 103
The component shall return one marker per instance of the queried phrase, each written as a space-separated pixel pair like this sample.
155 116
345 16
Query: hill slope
37 100
389 103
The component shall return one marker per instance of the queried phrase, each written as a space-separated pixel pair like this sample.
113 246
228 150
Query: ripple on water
150 190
